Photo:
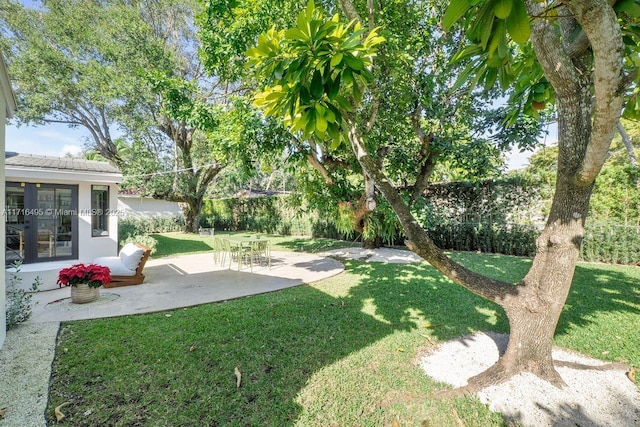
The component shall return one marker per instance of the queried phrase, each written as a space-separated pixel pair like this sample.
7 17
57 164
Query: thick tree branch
600 23
578 46
349 10
418 241
370 14
314 162
428 156
557 64
425 175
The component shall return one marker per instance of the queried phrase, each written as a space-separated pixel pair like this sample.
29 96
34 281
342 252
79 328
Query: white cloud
74 150
49 140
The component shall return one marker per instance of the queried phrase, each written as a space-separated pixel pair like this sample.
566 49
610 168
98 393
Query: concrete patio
185 281
26 358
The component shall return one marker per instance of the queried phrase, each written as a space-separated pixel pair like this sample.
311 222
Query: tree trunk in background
192 210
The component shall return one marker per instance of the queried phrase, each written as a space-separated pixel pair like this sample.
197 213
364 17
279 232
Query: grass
339 352
178 243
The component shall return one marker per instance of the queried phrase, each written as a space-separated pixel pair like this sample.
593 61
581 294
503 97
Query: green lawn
340 352
178 243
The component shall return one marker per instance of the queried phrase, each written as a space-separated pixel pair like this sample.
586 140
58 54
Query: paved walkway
26 357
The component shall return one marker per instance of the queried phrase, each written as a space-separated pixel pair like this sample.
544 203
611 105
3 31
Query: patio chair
219 252
260 250
234 251
126 268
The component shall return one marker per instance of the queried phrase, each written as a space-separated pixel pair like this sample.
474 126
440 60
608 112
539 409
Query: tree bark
192 210
588 101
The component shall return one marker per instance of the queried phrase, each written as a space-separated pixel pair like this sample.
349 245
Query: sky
47 140
59 140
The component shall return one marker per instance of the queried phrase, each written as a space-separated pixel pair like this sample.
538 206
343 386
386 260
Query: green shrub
19 307
128 227
611 243
144 239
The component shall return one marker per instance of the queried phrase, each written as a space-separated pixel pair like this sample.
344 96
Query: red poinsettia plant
92 274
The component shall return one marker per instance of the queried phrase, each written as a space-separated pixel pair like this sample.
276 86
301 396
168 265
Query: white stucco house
59 211
7 108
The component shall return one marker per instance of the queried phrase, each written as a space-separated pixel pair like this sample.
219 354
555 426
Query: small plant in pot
85 281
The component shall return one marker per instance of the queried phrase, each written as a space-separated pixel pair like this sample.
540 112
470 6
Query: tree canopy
572 55
133 70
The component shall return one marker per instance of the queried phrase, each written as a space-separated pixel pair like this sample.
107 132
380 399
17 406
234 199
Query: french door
41 222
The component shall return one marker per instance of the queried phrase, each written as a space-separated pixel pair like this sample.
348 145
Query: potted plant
85 281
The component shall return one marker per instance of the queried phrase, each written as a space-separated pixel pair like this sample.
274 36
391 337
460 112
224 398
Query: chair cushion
131 255
116 266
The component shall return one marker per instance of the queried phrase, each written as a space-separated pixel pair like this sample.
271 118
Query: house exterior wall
7 107
146 207
89 247
3 290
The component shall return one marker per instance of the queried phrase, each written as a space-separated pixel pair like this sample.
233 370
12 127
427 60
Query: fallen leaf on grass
427 337
192 348
238 376
2 412
57 411
395 423
632 375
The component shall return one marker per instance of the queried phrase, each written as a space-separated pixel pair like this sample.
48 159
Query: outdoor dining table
243 249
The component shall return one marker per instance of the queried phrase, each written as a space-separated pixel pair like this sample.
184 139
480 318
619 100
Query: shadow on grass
177 368
313 245
603 306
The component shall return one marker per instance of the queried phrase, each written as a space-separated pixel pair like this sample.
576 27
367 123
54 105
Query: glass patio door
15 217
45 228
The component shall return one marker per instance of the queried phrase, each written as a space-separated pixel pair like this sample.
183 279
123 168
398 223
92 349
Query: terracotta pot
82 293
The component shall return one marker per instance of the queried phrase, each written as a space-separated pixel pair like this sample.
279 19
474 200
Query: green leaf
296 34
496 36
335 143
456 9
310 8
334 87
273 96
484 15
502 8
305 96
357 93
347 76
317 88
311 124
490 77
486 27
518 23
629 7
467 52
344 103
337 58
321 124
334 132
464 75
353 62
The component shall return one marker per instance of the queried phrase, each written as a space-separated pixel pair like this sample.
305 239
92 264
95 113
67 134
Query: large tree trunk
192 209
534 311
